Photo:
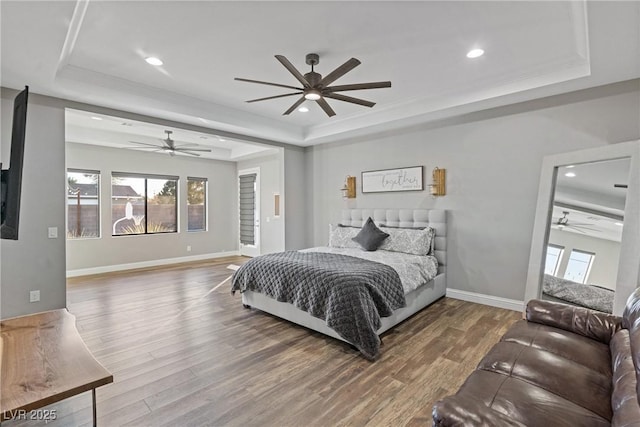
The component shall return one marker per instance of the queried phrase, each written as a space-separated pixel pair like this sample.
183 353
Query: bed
416 299
584 295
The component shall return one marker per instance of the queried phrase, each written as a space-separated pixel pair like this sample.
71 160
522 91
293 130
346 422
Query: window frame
592 257
98 203
558 259
205 204
147 177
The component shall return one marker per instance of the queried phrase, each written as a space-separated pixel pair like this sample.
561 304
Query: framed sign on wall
401 179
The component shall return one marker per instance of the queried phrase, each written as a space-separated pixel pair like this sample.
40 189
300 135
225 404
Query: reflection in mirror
585 231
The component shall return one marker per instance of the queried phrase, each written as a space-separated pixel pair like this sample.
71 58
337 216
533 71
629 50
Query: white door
249 211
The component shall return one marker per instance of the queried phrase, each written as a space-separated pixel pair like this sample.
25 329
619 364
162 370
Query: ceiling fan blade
144 143
267 83
294 106
620 186
339 72
349 99
204 150
289 66
326 107
187 152
274 97
358 86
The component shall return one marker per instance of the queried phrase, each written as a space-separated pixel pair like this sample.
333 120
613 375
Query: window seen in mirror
554 254
579 266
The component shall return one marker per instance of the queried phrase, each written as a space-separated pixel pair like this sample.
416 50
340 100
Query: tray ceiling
94 51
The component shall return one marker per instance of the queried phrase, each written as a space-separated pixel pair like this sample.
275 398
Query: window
554 255
83 204
143 204
196 204
247 208
579 266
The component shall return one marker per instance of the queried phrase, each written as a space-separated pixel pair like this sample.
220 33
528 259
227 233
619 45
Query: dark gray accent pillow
370 237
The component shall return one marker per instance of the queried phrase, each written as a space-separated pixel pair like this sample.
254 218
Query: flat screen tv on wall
11 178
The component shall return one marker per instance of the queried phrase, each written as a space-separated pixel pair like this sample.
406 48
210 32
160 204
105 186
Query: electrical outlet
34 296
53 232
188 248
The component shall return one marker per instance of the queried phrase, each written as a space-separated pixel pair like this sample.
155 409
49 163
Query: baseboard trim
144 264
509 304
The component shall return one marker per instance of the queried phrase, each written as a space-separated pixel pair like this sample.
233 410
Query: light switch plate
34 296
53 232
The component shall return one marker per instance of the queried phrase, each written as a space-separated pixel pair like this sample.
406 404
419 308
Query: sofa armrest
583 321
464 411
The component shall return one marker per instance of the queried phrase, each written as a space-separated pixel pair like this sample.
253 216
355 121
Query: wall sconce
437 188
349 188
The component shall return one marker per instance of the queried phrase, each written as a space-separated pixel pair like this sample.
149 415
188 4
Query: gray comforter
589 296
350 294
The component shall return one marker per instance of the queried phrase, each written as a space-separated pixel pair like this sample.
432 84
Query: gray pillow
370 237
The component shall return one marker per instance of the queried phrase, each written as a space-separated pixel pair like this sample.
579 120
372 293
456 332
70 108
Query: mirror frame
629 263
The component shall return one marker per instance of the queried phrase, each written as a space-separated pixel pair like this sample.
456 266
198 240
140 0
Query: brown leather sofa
562 366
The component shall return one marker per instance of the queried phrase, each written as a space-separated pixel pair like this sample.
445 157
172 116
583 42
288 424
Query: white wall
35 261
604 269
271 227
110 251
493 161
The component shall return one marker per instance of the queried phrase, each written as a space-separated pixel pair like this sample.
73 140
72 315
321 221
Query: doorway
249 211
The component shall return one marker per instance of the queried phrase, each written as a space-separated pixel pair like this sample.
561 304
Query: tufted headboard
435 218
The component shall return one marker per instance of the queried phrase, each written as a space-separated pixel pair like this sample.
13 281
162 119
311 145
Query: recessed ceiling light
619 224
571 166
475 53
154 61
570 174
303 109
96 118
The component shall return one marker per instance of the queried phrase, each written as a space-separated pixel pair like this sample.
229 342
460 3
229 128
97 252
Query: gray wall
35 261
493 161
296 201
271 227
221 235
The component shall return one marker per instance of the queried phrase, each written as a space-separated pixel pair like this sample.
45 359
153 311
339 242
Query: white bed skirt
416 301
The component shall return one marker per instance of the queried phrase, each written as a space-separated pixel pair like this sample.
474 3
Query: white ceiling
591 198
84 127
93 51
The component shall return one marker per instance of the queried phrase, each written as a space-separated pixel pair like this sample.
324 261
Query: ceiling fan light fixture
570 174
312 95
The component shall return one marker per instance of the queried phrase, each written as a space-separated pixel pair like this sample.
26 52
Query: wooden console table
43 360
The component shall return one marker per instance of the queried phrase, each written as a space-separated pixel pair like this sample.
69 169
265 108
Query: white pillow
408 240
340 237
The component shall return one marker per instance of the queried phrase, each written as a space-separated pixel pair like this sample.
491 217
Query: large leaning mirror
586 242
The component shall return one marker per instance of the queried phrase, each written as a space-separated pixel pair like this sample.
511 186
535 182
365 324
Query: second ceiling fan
317 88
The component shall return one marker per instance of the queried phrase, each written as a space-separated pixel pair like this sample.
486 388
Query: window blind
247 208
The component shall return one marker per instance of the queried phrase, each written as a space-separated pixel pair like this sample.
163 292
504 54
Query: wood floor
184 356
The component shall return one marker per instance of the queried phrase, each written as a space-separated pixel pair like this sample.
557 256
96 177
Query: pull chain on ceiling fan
316 88
169 146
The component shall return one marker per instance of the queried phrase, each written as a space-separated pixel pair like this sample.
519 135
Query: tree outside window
83 204
196 204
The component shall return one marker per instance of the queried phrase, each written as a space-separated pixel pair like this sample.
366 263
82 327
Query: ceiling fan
562 223
316 88
169 146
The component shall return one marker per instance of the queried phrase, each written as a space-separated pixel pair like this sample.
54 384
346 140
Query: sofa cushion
555 374
577 348
524 402
624 402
